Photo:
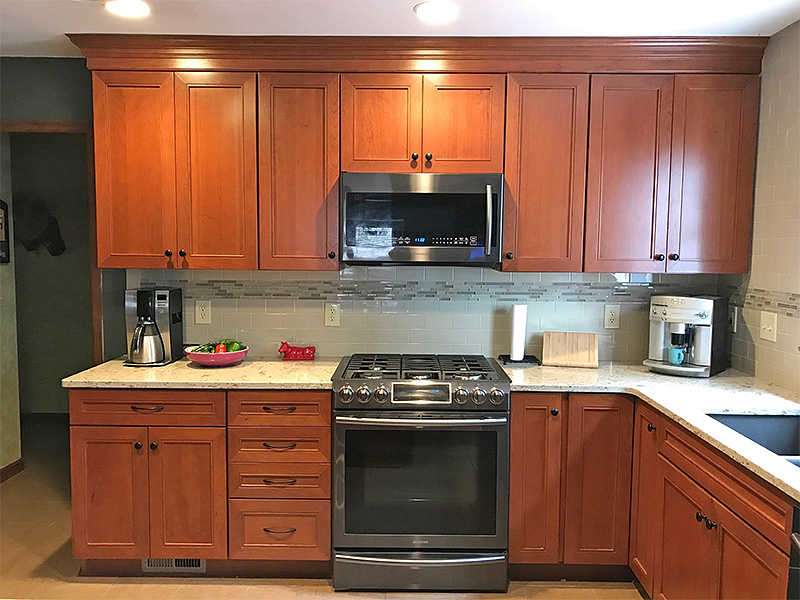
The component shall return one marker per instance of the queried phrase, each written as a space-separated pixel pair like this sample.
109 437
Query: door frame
78 128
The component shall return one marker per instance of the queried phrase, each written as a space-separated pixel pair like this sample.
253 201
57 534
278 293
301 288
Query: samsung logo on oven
419 542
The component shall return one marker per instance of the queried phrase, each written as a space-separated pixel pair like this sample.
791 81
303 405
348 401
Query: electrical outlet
611 316
331 314
733 319
202 311
769 326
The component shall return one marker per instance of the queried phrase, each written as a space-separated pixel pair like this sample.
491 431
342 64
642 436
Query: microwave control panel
470 240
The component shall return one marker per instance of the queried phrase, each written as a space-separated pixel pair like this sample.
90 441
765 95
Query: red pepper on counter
220 349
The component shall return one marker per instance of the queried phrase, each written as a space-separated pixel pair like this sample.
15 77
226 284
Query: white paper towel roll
519 319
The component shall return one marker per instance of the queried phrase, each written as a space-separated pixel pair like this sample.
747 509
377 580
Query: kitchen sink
777 433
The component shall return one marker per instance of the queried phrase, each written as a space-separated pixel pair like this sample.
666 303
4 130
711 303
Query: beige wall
773 284
9 377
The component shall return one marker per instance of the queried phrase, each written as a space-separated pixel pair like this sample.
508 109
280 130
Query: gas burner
374 374
421 375
465 376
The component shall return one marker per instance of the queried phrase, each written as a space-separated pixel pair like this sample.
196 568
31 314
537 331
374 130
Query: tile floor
36 559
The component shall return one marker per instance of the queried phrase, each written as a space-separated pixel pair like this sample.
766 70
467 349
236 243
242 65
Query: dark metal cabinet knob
153 446
182 252
331 254
651 427
710 525
674 256
509 255
700 517
167 253
554 412
659 257
429 157
138 445
414 156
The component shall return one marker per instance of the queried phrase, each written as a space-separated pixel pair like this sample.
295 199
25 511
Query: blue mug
676 356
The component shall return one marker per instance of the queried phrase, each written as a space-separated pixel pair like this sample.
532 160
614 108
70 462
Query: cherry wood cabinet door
299 170
109 492
598 479
134 141
381 119
215 141
534 503
713 162
546 132
463 123
644 495
749 566
686 551
627 189
188 492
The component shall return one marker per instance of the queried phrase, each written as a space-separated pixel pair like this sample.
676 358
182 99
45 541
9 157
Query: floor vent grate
173 565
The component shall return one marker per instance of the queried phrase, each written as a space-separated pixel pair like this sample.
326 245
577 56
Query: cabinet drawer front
740 491
279 444
146 407
279 480
300 408
297 529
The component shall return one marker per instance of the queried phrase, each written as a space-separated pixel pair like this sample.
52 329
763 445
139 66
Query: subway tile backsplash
418 309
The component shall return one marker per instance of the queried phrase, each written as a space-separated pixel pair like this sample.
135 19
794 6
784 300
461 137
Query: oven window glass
420 482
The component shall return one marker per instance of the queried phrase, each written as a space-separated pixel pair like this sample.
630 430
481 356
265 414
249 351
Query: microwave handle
487 246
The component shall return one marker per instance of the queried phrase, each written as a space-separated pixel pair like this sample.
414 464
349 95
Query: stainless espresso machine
687 335
154 326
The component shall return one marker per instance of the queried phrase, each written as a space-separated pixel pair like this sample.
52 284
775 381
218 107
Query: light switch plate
769 326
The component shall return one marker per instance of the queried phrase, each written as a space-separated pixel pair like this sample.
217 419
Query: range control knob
381 394
479 395
346 394
703 314
362 394
496 396
460 395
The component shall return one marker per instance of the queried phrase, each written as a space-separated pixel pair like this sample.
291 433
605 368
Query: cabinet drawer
280 529
279 408
279 444
739 490
279 480
146 407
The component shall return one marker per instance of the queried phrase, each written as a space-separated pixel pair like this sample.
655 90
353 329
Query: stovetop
420 382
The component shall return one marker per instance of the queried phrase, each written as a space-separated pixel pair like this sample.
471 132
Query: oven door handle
421 561
405 422
487 245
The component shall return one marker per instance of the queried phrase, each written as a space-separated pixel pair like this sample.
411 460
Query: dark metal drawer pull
287 481
289 530
288 446
147 408
280 409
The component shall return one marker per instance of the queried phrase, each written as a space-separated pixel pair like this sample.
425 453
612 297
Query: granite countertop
685 400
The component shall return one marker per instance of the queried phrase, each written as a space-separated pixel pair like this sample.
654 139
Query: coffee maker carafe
687 335
154 323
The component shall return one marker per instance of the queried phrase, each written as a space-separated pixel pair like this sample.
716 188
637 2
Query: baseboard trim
278 569
11 469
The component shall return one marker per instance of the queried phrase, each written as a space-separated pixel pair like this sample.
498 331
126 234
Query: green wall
45 89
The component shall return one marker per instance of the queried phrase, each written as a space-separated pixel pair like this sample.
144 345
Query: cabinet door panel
463 123
711 194
545 172
188 493
627 190
686 551
215 123
134 139
598 479
381 122
299 158
535 485
109 492
644 495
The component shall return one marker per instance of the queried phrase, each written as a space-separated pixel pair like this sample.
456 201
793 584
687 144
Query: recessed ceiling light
134 9
437 12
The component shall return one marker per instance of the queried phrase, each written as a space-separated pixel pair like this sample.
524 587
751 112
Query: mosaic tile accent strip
783 303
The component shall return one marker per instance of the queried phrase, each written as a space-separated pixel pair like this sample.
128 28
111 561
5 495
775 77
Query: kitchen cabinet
546 131
433 123
535 477
299 170
147 481
175 162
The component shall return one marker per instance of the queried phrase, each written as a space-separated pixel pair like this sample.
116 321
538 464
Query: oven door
420 481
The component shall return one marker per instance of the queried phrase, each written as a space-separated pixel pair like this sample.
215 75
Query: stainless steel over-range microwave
411 218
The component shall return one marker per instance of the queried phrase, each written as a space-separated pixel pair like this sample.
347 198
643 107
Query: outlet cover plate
331 314
611 316
202 311
769 326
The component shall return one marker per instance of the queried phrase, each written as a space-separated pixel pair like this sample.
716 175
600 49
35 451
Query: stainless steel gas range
420 473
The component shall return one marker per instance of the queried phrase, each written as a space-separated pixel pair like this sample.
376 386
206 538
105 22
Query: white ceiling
37 27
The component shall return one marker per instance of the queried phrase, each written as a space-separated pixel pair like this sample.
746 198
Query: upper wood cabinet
438 123
299 170
134 144
546 133
175 160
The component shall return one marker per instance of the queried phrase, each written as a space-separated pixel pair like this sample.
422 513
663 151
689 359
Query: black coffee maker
154 326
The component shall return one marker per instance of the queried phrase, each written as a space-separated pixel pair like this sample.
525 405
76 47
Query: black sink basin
777 433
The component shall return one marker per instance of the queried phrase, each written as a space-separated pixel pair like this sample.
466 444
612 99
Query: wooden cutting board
567 349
